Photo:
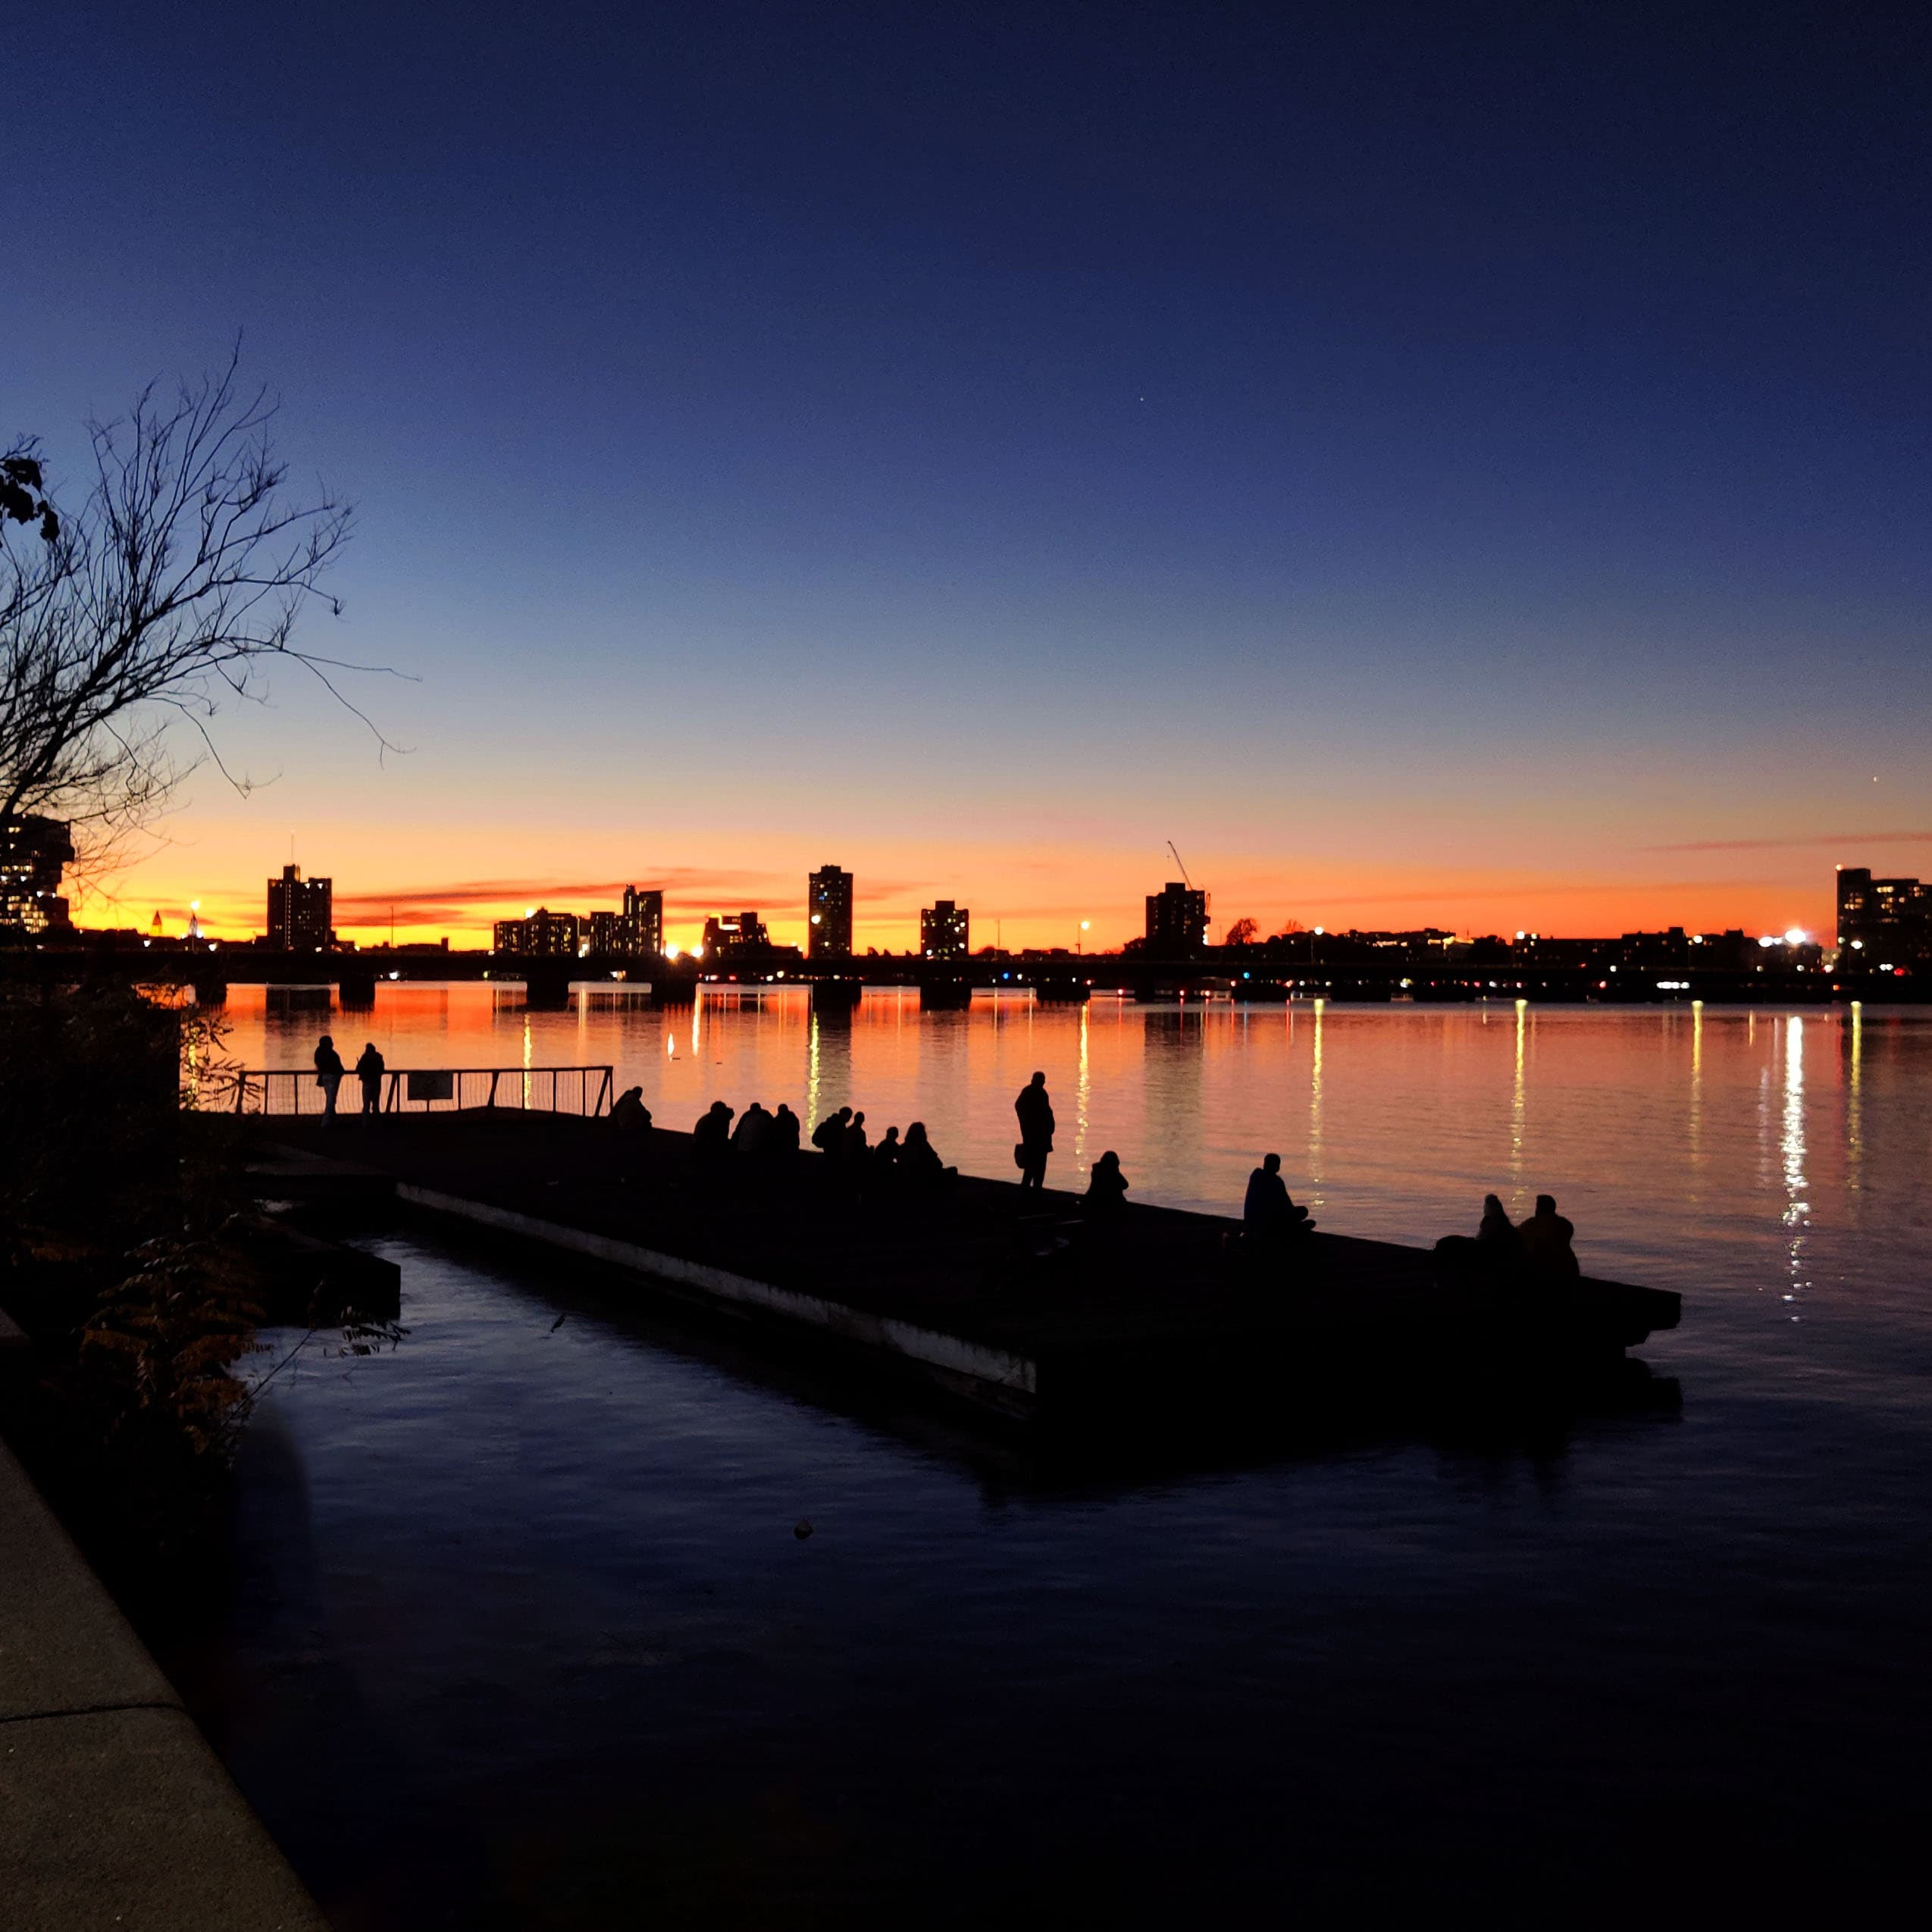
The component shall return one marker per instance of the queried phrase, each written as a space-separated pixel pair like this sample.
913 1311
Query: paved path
113 1811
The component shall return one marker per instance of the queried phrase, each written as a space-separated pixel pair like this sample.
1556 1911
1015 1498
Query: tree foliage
168 595
1243 932
23 494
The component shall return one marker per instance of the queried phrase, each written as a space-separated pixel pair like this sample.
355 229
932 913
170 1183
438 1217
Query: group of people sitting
769 1137
1536 1249
1272 1224
914 1161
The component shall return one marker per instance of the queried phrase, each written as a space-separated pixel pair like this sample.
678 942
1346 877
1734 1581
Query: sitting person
753 1135
1496 1230
1545 1239
919 1165
630 1115
1107 1189
1268 1216
885 1155
784 1132
712 1136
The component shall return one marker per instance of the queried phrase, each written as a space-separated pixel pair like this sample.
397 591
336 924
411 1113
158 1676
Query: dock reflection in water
525 1635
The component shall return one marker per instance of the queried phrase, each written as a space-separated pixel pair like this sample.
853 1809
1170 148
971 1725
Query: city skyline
672 912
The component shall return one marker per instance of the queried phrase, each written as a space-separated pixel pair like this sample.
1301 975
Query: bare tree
167 595
1243 932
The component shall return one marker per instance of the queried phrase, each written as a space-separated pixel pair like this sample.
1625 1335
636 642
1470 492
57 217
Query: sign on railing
581 1090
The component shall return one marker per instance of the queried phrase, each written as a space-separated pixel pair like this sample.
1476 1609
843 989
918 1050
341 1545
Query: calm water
524 1635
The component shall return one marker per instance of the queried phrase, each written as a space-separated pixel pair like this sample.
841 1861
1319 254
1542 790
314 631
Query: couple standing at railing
329 1070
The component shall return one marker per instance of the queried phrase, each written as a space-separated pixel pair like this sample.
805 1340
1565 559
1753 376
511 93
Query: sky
1456 466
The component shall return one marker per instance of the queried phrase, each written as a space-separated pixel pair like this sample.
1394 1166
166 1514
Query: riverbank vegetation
118 1206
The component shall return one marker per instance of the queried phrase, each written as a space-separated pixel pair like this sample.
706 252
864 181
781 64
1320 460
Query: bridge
1251 975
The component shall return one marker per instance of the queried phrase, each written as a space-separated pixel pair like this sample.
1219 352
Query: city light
1795 936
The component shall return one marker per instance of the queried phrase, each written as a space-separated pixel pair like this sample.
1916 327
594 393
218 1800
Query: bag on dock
1019 1155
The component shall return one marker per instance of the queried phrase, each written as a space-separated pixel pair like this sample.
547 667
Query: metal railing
581 1090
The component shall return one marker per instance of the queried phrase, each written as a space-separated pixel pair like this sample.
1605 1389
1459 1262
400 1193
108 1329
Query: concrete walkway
113 1811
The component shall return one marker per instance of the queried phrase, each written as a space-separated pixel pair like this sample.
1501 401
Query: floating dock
1003 1298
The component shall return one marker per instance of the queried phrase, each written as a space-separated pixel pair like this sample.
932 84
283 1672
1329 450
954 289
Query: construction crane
1182 863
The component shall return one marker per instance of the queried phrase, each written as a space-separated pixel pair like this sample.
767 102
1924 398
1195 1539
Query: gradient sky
1452 465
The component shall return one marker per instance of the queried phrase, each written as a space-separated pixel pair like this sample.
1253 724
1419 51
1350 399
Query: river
523 1633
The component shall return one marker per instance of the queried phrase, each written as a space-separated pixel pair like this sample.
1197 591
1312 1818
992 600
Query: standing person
329 1070
1036 1132
369 1069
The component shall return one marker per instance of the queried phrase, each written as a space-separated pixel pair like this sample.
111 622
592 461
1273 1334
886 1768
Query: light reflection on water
524 1622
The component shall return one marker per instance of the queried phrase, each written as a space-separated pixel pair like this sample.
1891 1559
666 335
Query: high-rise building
543 935
643 922
943 931
1883 922
726 935
607 934
300 912
1177 921
33 851
828 910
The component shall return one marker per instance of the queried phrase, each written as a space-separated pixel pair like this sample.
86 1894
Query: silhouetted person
629 1115
753 1134
369 1069
712 1136
919 1164
853 1147
1268 1216
1546 1237
828 1137
328 1074
784 1133
885 1155
1501 1246
1036 1132
1107 1189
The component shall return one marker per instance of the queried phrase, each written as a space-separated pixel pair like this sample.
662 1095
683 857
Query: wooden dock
999 1296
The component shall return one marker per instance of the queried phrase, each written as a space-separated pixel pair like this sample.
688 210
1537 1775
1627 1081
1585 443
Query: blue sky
1391 451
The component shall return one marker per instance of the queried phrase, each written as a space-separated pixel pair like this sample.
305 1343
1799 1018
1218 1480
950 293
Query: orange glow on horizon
1084 895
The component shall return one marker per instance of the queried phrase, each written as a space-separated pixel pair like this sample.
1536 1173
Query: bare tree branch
169 596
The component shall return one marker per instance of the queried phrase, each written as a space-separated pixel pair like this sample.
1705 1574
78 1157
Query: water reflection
1516 1102
1317 1167
1696 1112
1791 1146
1855 1096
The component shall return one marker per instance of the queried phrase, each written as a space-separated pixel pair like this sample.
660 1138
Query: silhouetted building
943 929
607 933
1883 922
1177 921
828 910
542 935
643 922
300 911
33 852
725 935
